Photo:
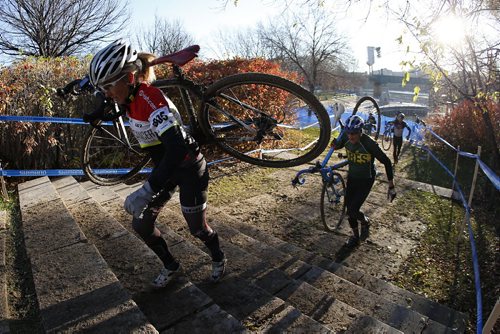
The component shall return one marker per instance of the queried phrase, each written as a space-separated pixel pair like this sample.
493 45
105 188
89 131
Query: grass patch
24 314
417 166
441 267
241 185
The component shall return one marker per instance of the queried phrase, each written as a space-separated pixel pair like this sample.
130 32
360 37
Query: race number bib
143 133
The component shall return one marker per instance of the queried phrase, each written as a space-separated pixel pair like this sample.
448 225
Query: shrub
464 126
27 88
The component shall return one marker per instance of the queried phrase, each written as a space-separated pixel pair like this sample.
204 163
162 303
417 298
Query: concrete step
433 310
390 313
240 292
293 215
136 265
4 306
274 272
75 288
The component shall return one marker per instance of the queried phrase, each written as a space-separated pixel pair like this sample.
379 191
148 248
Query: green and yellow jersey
362 155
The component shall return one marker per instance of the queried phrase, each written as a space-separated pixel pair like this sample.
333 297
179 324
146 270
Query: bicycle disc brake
266 125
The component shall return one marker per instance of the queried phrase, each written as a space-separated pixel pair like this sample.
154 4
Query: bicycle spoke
106 151
264 116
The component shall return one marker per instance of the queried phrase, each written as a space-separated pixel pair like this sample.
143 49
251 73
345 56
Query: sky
204 18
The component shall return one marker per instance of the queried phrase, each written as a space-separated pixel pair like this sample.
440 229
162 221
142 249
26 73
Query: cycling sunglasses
113 83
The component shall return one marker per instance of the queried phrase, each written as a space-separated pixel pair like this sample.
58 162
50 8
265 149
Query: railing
495 180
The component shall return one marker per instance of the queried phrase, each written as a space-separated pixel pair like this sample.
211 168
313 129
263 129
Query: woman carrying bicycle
361 151
123 75
399 126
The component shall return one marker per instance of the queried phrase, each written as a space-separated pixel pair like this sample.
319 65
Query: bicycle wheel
333 207
386 141
374 105
110 156
265 120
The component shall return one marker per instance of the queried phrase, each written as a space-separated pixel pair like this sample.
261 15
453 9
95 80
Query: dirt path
266 199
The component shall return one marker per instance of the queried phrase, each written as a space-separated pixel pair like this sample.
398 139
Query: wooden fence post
4 192
455 172
492 319
474 179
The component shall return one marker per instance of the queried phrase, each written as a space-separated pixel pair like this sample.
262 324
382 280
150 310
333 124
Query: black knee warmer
155 242
211 240
142 228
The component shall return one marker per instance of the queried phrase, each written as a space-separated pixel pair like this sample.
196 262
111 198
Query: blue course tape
438 137
477 282
43 119
65 172
79 172
468 155
490 174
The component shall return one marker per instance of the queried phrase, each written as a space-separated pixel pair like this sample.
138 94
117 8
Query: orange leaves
208 72
464 124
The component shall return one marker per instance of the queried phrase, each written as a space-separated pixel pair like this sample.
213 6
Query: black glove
89 118
102 107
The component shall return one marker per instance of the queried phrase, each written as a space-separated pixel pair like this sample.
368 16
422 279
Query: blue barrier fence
68 172
495 180
415 135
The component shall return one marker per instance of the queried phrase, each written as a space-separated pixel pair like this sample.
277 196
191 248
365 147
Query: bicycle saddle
179 58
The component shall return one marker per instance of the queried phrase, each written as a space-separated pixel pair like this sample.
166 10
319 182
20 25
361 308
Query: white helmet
111 61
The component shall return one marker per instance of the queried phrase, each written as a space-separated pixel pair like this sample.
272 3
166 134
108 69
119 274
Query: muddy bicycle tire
375 105
386 141
333 207
257 117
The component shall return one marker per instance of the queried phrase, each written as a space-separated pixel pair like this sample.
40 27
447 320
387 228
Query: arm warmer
175 152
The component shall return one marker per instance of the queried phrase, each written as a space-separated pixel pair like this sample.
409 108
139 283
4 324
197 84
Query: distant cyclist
370 124
399 126
361 154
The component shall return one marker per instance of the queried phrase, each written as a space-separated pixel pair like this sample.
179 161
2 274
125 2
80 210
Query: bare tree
164 37
469 70
244 43
53 28
307 40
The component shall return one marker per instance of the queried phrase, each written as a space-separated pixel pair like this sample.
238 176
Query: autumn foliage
464 126
27 88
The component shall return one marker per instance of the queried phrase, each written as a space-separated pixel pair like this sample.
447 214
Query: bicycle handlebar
76 87
311 170
105 110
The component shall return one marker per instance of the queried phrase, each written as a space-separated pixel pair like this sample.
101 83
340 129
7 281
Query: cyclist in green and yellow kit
361 154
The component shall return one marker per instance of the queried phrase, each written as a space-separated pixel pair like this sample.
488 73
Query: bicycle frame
186 86
119 124
325 171
388 129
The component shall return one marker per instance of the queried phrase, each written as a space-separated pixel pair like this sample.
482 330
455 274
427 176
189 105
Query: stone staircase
92 272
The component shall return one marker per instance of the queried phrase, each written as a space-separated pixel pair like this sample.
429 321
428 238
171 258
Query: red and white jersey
150 114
